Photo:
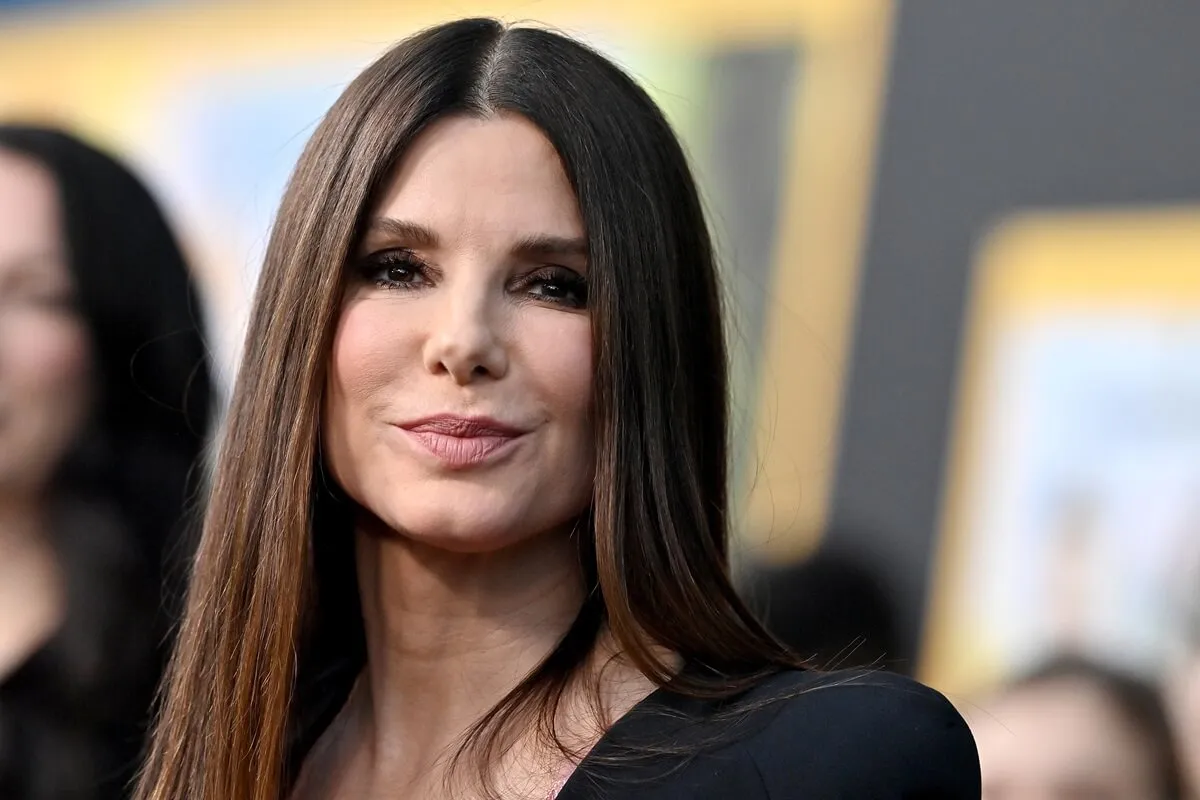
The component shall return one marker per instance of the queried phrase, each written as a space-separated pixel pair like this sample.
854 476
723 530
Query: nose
464 342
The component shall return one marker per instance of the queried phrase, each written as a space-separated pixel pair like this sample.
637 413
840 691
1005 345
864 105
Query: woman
468 531
103 404
1074 728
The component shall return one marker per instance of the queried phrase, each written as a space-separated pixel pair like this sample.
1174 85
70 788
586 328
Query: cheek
560 358
46 363
372 352
45 385
368 352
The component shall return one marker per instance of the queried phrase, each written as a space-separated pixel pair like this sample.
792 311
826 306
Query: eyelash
375 268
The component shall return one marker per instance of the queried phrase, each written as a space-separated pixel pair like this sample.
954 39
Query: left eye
399 273
553 289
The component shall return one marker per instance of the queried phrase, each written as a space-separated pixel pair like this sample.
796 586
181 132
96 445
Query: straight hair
272 636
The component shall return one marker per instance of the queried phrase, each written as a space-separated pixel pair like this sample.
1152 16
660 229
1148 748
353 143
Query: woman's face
43 342
1061 740
457 404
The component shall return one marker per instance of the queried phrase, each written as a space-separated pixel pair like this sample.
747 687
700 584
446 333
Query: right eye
395 269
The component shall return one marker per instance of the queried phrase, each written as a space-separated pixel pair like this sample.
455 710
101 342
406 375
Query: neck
450 634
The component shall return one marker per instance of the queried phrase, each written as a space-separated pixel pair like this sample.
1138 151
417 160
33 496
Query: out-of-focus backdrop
962 246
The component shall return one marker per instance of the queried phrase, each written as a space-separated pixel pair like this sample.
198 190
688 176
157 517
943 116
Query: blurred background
962 249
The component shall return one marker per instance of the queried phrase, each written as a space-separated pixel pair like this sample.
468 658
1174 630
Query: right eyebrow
410 233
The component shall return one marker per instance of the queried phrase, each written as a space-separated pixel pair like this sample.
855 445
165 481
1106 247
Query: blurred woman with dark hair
1073 728
104 404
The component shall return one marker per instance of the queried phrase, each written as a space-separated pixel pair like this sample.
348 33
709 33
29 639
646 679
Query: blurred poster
1072 508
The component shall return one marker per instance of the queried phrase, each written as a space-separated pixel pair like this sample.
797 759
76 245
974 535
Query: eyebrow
409 232
547 246
534 246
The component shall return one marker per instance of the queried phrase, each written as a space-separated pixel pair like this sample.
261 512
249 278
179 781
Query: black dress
73 716
832 736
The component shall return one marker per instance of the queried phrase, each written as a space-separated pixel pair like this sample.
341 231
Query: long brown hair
272 634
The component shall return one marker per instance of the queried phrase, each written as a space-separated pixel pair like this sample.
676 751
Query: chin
466 537
467 515
474 524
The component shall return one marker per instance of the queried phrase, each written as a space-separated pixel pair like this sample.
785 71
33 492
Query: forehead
29 213
496 176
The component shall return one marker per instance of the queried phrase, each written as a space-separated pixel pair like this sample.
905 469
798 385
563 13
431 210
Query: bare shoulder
859 734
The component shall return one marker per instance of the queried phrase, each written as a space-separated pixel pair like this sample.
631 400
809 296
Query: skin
1185 703
468 575
43 344
44 397
1060 740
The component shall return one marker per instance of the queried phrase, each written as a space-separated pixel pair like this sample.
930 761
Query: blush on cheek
366 364
560 352
367 349
563 355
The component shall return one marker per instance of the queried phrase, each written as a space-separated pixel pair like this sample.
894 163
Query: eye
395 269
557 285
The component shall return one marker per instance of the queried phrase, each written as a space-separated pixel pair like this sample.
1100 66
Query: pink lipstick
461 442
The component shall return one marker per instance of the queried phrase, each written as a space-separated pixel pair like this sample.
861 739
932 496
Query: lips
462 427
462 442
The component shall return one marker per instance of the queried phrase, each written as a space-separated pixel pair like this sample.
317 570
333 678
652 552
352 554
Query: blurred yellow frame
1034 266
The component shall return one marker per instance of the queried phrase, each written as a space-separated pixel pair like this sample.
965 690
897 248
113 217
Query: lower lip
460 452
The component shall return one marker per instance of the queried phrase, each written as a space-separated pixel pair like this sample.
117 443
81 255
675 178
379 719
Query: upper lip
463 427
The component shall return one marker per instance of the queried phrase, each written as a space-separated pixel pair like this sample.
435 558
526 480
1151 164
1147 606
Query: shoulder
861 735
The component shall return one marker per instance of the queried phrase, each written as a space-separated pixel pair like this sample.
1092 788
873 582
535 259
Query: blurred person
1073 728
468 529
1183 696
829 608
1184 702
1185 706
104 395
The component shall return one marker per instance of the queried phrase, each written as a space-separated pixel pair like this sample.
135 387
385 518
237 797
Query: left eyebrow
547 246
